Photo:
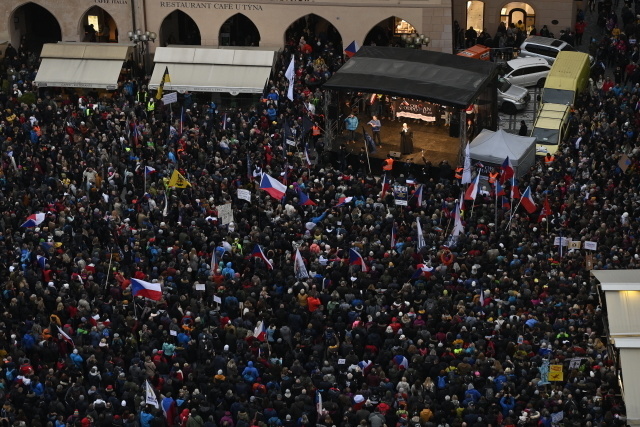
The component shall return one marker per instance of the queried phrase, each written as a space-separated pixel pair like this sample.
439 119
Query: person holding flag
165 79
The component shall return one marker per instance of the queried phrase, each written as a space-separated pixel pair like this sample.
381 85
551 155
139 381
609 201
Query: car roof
545 41
524 62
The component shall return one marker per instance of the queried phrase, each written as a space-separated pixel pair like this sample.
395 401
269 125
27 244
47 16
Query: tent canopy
202 69
90 65
436 77
493 147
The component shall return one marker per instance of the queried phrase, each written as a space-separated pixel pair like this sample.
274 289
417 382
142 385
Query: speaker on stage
454 127
333 112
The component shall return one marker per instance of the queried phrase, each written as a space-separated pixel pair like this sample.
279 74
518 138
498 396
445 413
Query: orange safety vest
458 174
388 164
315 130
493 176
549 159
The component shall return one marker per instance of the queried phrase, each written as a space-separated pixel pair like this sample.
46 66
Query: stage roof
442 78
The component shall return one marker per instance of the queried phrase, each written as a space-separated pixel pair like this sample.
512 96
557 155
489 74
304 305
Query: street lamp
141 40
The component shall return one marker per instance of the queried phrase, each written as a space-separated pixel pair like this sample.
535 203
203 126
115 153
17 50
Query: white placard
170 98
217 299
173 333
592 246
200 287
342 361
565 241
291 142
244 194
225 213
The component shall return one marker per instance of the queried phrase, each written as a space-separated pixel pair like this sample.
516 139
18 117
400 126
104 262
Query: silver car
512 98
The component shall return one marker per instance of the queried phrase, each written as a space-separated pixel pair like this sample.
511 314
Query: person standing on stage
352 125
406 139
375 129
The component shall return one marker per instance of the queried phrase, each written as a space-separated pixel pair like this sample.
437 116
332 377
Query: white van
526 71
543 47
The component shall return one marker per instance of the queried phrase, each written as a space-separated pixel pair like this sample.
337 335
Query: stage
433 139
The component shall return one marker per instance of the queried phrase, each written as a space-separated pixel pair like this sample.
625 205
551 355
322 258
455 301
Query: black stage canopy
441 78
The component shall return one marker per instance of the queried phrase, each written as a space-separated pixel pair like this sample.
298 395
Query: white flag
150 395
299 267
421 242
466 172
291 76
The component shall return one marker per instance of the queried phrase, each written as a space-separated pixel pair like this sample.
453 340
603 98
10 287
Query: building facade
269 23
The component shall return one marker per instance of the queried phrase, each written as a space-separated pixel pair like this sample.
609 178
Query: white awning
88 65
201 69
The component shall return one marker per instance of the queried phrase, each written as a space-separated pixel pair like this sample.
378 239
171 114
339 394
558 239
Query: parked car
526 71
545 48
512 98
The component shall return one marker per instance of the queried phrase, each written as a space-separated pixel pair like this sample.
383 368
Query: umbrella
33 220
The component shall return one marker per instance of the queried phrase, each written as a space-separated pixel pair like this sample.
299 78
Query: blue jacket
351 123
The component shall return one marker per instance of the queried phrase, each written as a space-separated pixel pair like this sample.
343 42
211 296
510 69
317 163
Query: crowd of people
463 335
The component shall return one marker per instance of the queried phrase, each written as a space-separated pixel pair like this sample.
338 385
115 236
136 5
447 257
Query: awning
201 69
418 74
89 65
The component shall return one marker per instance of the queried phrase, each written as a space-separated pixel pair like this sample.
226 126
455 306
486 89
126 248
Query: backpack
442 382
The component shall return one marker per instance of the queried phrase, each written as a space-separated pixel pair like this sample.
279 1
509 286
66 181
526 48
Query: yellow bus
550 128
568 77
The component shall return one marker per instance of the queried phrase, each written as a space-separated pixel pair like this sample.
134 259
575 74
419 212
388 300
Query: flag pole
106 281
366 148
512 211
145 179
496 210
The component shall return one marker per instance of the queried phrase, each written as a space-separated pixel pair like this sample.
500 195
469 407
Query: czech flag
140 288
546 210
385 185
515 191
419 195
304 200
352 49
505 203
258 253
499 189
356 259
65 336
472 190
343 201
33 220
148 170
527 201
411 181
506 170
422 270
260 332
275 188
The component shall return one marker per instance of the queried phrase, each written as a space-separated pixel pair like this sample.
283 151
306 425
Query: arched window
33 25
516 12
98 26
179 28
389 32
310 27
239 31
475 15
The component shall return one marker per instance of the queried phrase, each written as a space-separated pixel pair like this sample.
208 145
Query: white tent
491 148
